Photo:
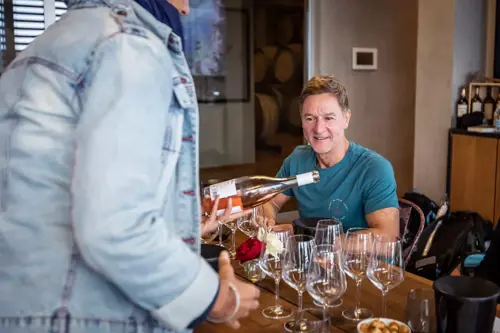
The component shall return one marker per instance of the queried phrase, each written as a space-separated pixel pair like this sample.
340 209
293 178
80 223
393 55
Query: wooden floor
267 164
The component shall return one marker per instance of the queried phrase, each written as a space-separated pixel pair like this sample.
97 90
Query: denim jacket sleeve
119 231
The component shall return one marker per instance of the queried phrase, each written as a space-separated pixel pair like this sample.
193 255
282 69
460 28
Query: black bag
427 205
459 234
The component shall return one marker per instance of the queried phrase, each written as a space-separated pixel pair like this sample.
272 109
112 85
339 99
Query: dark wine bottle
462 106
489 108
476 102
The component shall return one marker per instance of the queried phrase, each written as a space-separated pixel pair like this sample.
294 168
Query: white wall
382 101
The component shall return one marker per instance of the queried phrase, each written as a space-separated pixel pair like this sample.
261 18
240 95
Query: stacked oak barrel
278 74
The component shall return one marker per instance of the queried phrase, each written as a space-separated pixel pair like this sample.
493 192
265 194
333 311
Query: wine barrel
284 30
263 64
289 63
267 109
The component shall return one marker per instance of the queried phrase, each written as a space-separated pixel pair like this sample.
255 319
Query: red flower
249 250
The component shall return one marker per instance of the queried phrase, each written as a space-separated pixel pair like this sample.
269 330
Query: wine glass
386 266
356 249
311 321
325 279
329 231
209 238
296 261
249 225
271 264
231 225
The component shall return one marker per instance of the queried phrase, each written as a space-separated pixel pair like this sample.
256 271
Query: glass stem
299 300
220 235
384 304
358 298
234 240
277 292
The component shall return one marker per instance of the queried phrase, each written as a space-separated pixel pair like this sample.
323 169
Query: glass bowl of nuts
382 325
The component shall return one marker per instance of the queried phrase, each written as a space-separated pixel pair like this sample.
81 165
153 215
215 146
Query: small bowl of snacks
382 325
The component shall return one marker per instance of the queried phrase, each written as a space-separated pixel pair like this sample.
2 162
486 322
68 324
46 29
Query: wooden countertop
370 298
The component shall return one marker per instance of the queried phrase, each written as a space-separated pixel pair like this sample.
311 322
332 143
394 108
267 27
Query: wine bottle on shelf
251 191
476 102
462 106
489 108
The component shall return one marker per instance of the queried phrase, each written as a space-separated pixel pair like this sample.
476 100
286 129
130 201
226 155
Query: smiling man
357 185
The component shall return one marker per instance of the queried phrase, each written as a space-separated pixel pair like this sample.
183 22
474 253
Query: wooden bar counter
370 298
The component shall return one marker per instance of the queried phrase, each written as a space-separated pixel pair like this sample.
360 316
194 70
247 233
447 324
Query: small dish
386 322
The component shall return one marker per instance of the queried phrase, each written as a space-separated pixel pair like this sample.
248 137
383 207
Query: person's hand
209 224
283 227
226 299
264 222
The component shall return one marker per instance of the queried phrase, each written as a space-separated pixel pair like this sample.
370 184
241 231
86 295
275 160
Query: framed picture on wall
216 44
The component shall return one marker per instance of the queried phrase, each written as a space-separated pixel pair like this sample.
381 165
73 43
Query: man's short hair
321 84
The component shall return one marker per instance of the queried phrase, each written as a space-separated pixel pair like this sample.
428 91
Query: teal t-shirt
361 183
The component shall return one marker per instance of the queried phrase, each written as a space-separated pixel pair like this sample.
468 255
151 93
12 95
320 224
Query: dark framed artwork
216 44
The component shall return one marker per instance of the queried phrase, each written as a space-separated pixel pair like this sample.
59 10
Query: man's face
181 5
324 122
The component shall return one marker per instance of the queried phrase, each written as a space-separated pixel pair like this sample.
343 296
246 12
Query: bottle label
476 107
305 178
461 110
488 111
223 190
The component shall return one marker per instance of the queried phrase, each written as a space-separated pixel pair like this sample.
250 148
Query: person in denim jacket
100 214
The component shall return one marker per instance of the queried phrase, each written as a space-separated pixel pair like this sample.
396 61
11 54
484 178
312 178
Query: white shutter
29 21
60 9
3 40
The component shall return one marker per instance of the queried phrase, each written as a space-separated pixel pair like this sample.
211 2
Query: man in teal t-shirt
357 185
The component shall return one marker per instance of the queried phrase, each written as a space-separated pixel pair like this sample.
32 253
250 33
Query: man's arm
384 221
380 198
272 208
117 225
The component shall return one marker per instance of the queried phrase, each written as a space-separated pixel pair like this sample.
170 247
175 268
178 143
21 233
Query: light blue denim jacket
99 192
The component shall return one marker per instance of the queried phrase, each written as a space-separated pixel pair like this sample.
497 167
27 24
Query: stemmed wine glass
329 231
271 264
325 278
386 266
212 236
231 225
249 225
356 249
297 257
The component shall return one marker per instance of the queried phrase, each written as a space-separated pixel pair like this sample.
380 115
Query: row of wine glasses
319 265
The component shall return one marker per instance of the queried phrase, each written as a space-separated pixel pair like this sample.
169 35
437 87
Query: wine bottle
477 102
462 105
489 108
251 191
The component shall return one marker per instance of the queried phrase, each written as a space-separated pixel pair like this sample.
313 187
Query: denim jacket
99 205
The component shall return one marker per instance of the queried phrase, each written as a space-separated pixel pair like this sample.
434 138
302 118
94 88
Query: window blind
29 21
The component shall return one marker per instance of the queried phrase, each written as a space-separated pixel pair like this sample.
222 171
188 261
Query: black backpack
459 234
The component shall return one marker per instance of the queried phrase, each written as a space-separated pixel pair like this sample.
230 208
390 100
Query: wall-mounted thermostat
364 58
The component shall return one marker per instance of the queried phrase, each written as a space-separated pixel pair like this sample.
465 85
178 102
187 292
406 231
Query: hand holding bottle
235 299
210 223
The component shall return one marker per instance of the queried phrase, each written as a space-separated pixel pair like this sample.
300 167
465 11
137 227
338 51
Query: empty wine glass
356 249
311 321
325 278
329 231
271 264
420 310
386 266
249 225
296 261
231 225
209 238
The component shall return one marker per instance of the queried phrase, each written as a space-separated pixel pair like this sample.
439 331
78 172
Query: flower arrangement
252 247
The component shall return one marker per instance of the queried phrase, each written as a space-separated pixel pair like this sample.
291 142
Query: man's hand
226 301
